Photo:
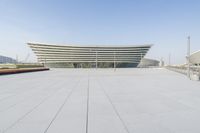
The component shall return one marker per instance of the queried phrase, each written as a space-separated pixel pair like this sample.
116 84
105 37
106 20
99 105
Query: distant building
4 59
89 56
148 63
195 58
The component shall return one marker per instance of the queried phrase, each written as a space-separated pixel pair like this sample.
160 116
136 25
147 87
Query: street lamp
188 57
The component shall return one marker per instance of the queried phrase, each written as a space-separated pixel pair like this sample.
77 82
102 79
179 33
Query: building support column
96 60
114 61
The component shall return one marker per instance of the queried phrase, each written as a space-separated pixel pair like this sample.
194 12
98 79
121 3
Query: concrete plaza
99 101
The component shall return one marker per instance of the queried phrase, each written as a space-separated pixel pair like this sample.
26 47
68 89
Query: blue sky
164 23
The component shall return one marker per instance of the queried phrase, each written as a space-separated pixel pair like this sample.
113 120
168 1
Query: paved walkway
99 101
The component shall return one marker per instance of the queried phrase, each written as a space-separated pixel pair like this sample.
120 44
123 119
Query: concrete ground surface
99 101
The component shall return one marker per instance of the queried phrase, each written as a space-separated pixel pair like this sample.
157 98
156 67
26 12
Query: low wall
23 70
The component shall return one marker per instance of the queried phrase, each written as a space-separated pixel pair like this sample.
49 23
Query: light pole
169 59
188 57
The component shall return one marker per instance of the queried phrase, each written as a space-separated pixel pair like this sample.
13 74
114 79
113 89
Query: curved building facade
148 63
89 56
195 58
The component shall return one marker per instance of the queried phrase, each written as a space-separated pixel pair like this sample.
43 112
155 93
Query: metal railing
194 70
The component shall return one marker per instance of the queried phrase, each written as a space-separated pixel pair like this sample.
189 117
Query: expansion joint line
87 109
114 108
30 111
21 101
61 107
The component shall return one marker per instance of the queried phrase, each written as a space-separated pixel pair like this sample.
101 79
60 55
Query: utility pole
188 57
169 59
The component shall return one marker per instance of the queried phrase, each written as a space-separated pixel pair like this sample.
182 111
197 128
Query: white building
89 56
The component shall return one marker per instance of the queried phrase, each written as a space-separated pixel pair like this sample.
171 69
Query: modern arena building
89 56
195 58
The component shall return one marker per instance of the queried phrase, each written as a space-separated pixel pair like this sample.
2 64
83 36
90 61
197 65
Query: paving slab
134 100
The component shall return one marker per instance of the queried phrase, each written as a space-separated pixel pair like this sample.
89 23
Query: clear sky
164 23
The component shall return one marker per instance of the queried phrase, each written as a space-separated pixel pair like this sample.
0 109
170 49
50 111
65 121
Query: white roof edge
195 53
37 43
